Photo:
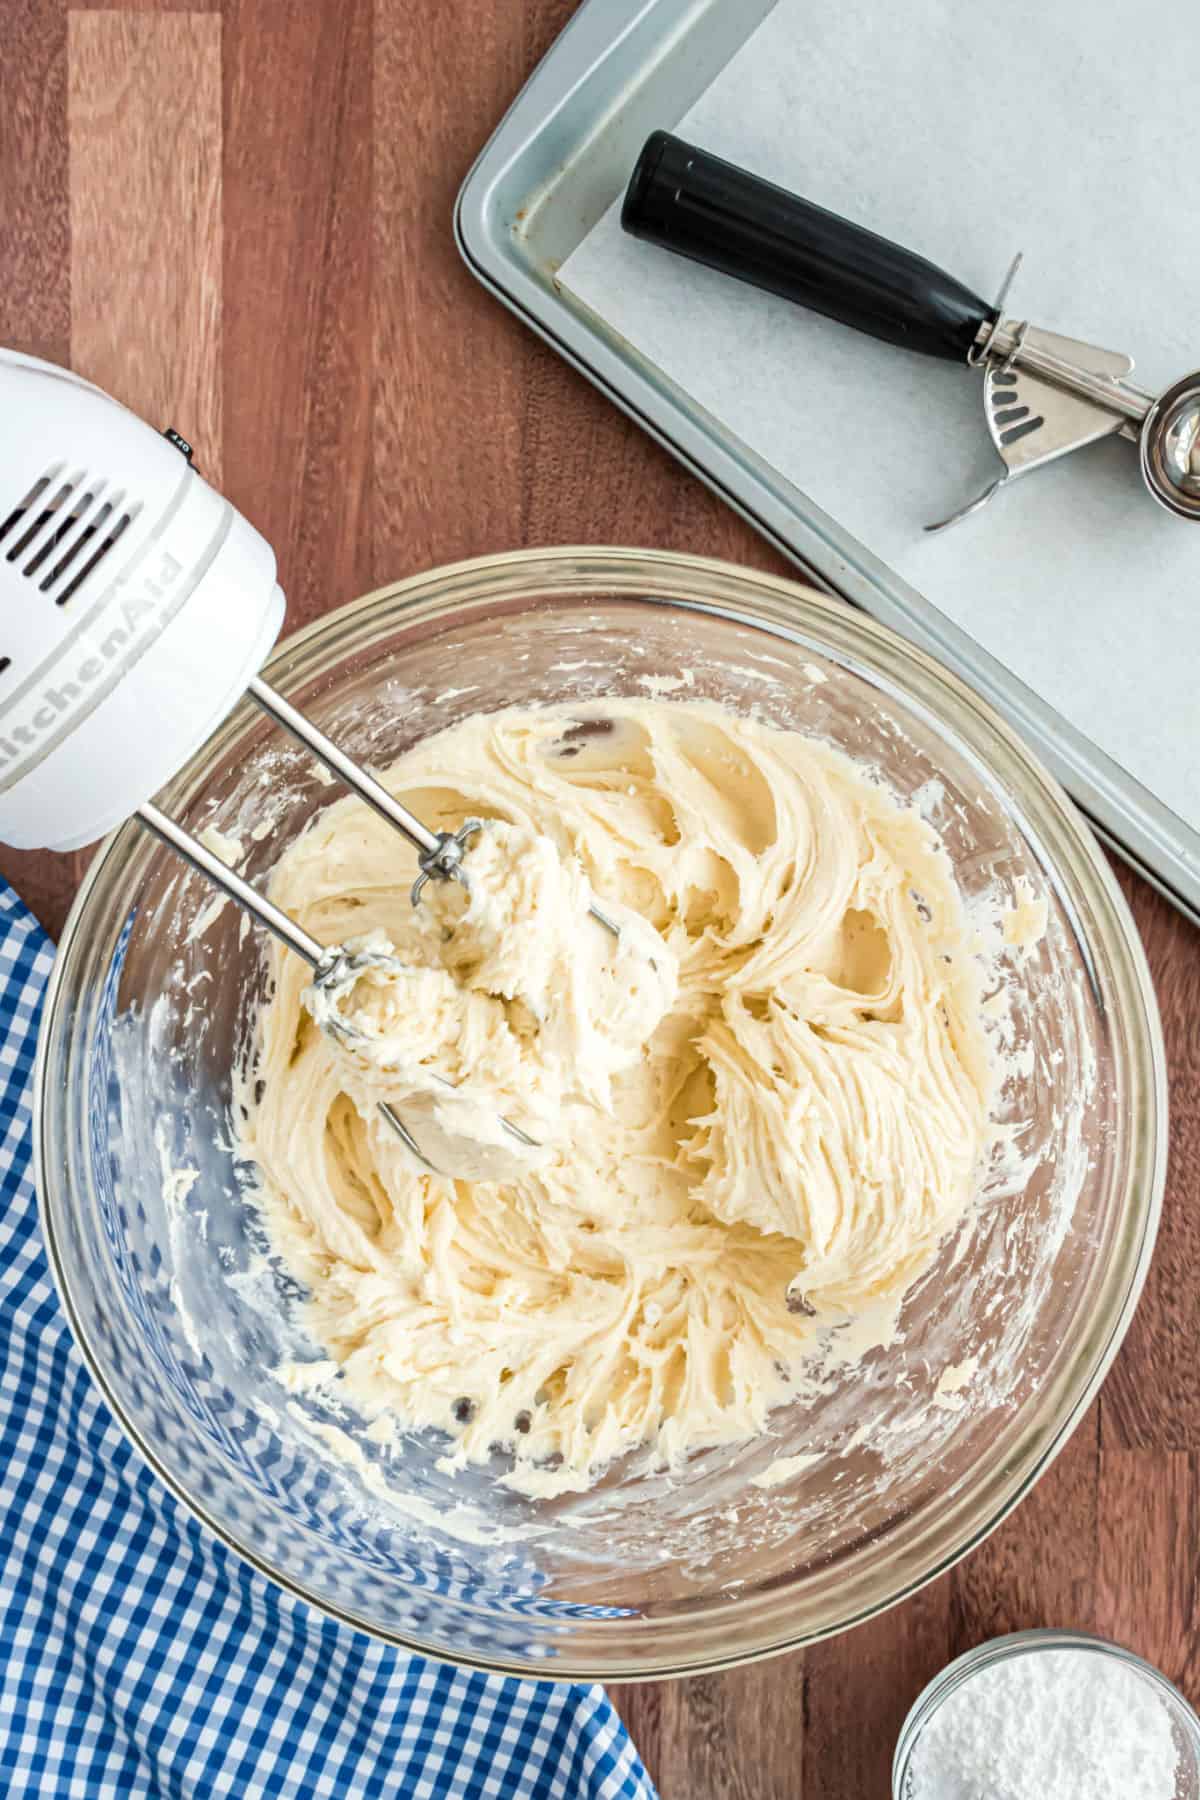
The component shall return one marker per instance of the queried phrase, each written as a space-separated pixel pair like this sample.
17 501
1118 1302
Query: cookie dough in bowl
844 1177
756 1114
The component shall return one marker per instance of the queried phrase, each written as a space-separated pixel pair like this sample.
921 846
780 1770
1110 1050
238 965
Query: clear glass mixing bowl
183 1323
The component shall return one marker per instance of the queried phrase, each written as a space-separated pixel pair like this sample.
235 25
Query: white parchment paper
1057 127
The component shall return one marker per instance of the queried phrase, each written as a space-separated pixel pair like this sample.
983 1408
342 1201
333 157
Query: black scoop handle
699 206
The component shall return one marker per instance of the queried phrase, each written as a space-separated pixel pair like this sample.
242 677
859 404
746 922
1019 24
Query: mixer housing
138 603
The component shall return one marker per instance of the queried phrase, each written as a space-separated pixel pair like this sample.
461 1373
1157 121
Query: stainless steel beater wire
365 786
301 727
236 886
285 928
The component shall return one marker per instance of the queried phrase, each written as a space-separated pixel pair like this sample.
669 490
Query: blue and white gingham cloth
141 1658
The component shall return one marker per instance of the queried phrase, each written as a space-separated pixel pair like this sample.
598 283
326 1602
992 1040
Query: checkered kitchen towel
142 1658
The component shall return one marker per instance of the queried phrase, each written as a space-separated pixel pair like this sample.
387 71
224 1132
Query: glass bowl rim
799 613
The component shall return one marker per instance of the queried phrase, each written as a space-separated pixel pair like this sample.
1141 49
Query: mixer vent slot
64 528
24 507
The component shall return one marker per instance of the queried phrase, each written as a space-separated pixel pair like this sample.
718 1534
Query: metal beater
139 606
440 857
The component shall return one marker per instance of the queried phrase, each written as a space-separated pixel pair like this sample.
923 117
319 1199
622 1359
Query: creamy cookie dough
755 1115
506 1001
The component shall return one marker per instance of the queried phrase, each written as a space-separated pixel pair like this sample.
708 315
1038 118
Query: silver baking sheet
554 167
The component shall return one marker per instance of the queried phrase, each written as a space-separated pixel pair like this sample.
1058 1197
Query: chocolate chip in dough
585 728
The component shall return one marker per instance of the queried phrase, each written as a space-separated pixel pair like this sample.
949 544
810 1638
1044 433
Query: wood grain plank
35 276
147 6
860 1687
297 343
449 366
593 477
723 1737
1148 1577
1152 1397
145 143
1039 1567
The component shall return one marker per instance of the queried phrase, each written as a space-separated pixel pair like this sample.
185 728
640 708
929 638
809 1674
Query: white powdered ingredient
1048 1725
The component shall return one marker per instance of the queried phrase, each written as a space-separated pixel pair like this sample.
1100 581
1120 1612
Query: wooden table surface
236 217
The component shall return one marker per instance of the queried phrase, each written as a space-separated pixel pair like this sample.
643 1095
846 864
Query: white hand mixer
140 606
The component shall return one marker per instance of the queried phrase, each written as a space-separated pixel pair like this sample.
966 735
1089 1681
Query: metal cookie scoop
1044 395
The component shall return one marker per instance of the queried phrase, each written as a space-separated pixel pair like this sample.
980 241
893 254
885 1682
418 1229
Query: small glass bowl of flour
1049 1715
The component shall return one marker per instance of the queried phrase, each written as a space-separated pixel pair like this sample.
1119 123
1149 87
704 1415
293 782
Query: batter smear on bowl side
754 1116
